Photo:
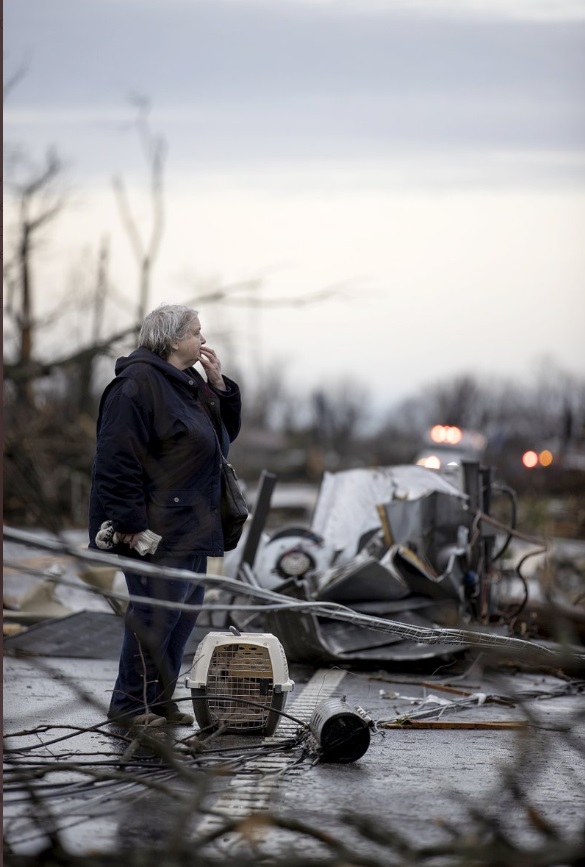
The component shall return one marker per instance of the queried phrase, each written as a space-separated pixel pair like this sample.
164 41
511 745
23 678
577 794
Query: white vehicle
448 446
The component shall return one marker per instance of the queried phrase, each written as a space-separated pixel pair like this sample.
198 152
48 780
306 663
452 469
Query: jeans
155 639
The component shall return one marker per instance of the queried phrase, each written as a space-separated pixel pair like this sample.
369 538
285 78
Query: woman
157 468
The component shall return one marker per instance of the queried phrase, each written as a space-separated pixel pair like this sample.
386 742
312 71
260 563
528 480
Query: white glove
107 537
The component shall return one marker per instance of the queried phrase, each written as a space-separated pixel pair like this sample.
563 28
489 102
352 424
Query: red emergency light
532 459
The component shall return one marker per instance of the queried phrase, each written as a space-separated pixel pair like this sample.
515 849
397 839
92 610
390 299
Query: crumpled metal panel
363 578
347 501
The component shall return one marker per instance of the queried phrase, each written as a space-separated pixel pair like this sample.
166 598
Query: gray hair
166 325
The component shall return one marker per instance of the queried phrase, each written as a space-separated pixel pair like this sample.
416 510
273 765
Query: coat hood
142 355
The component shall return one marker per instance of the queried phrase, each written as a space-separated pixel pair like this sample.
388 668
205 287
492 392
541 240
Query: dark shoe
130 721
175 716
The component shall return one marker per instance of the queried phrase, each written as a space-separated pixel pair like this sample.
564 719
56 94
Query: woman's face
188 349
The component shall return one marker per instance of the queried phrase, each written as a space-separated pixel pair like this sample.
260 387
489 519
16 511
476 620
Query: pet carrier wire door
239 682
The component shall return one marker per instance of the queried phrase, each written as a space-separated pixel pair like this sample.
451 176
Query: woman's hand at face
212 367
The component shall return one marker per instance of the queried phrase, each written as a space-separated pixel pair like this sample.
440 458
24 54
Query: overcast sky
428 156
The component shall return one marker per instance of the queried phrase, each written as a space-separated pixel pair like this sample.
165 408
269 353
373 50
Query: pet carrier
239 682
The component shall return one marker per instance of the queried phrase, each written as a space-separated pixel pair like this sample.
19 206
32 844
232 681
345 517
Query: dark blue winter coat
157 463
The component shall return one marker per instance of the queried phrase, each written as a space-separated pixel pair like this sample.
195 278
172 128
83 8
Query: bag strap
207 411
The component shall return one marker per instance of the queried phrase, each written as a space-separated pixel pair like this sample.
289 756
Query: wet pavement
520 772
415 783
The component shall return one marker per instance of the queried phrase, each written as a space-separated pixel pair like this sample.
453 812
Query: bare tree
145 251
13 80
459 401
40 199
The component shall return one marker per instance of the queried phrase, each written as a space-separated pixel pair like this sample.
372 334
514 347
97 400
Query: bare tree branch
155 151
19 372
226 295
14 79
127 218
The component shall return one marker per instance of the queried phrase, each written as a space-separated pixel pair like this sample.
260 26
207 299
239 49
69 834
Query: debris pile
405 543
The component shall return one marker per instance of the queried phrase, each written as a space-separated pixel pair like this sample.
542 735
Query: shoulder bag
233 508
